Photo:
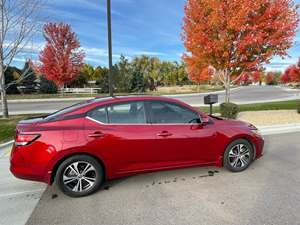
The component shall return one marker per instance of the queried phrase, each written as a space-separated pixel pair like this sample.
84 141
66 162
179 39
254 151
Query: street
266 193
242 95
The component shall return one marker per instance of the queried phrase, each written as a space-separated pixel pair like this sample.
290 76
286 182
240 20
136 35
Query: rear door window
99 114
127 113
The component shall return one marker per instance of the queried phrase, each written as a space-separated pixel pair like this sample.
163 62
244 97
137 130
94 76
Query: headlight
256 131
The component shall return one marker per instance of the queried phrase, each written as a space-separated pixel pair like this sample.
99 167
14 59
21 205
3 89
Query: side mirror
205 119
197 124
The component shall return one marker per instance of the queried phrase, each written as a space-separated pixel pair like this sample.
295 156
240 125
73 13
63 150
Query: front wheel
79 175
238 155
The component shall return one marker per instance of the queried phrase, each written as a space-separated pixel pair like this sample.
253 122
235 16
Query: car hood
232 123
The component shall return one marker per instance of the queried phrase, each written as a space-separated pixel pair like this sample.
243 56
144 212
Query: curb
279 128
30 112
49 100
6 144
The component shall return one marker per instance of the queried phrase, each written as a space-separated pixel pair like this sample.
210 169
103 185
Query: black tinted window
163 112
127 113
99 114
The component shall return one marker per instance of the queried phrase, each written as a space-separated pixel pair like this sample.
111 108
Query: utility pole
110 74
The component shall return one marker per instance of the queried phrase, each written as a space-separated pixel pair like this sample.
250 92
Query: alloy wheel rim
239 156
79 176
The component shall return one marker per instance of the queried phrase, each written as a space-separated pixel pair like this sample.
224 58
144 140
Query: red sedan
81 146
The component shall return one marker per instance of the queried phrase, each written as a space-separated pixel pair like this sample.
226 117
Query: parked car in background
106 138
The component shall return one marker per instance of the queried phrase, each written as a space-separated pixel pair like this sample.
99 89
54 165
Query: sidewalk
18 197
270 117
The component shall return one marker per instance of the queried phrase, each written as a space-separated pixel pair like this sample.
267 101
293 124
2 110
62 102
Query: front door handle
164 134
97 134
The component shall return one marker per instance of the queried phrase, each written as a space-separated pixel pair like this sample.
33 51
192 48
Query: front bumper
259 146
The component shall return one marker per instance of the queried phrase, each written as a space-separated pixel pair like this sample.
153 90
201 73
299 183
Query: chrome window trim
142 124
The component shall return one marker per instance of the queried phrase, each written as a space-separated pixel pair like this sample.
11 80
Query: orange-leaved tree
201 74
237 35
61 60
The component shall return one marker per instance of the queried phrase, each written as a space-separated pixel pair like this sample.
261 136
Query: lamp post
110 86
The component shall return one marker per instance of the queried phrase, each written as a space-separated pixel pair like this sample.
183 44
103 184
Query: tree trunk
3 93
227 93
198 87
227 87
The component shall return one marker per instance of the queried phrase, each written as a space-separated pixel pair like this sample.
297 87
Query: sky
151 27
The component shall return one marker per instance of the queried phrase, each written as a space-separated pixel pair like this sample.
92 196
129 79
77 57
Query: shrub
298 107
229 110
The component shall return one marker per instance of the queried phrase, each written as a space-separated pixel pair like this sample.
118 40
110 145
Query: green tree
29 82
123 75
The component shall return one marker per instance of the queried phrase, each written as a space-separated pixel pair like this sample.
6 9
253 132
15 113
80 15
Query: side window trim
119 103
147 113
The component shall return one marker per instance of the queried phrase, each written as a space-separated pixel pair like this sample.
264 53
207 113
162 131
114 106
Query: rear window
71 108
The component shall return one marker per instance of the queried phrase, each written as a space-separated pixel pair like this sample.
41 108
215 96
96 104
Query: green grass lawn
7 126
292 104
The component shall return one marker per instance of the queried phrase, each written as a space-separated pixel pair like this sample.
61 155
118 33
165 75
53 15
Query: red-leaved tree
237 35
245 79
270 78
61 60
291 74
285 77
257 76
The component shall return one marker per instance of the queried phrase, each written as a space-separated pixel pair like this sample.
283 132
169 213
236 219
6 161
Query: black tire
95 176
229 161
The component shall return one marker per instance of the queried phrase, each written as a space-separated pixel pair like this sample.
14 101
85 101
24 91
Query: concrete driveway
267 193
241 95
17 197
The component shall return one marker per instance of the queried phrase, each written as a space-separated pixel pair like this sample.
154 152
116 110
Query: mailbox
210 99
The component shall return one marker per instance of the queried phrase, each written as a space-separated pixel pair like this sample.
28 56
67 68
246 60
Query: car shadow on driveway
56 208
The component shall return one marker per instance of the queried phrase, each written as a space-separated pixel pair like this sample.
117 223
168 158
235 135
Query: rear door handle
97 134
164 134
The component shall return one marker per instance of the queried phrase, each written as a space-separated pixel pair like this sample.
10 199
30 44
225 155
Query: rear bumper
26 173
25 167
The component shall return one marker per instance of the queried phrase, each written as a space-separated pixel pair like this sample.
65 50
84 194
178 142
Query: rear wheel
238 155
79 175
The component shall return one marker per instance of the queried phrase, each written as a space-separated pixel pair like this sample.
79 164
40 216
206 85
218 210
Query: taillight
25 139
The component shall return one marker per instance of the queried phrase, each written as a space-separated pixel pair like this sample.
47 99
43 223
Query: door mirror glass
205 120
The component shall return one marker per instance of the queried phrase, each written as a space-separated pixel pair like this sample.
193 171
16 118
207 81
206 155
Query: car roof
83 107
132 98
